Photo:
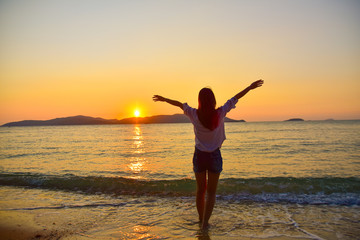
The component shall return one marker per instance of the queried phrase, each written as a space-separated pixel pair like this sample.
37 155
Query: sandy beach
104 217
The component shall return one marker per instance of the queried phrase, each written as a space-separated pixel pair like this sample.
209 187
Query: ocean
280 180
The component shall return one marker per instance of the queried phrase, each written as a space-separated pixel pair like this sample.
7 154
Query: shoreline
145 217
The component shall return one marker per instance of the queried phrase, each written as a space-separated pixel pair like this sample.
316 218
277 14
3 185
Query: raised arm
158 98
254 85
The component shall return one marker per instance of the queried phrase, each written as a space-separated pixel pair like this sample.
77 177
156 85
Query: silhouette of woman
209 132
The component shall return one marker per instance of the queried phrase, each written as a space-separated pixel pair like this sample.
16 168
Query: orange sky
106 58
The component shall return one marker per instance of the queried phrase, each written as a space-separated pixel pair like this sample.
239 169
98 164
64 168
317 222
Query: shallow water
281 180
79 216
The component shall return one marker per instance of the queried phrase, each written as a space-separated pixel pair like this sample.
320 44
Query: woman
209 135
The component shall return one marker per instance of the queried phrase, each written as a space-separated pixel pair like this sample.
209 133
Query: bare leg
211 197
200 193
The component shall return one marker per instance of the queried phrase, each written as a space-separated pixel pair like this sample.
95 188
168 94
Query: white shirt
205 139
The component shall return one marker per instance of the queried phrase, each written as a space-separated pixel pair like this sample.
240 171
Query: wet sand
15 225
19 225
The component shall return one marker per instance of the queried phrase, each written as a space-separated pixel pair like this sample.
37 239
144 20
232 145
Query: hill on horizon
86 120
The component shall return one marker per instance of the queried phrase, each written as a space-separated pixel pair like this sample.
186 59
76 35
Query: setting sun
137 113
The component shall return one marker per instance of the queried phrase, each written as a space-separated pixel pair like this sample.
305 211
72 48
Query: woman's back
205 139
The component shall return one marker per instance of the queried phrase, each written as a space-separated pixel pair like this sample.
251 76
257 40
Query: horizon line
134 118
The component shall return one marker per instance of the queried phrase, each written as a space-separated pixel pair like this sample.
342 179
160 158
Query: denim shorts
211 161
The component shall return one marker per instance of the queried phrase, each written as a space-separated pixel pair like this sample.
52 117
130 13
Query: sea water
280 180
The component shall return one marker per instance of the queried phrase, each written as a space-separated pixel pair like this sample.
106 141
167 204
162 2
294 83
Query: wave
328 190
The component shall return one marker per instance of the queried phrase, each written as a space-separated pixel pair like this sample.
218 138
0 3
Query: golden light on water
142 231
138 162
138 140
137 166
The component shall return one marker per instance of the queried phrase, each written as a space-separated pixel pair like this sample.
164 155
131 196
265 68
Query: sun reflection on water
138 140
142 231
137 166
138 161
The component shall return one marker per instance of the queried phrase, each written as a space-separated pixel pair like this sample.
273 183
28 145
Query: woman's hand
159 98
256 84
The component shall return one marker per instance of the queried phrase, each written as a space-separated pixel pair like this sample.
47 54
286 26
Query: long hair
206 112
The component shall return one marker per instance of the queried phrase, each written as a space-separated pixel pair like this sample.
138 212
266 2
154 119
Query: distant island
85 120
295 120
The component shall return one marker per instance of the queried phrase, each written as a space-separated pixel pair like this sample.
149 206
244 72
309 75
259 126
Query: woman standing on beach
209 135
